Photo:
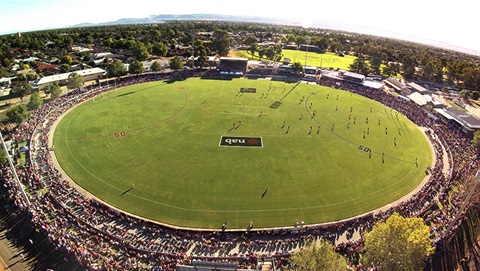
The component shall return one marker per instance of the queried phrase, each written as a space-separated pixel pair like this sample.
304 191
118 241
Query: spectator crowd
103 238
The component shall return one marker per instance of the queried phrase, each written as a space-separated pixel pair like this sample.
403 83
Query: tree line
376 55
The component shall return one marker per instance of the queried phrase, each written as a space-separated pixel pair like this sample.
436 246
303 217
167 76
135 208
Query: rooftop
395 83
463 118
417 87
64 76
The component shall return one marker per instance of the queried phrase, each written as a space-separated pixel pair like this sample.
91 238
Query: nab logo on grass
238 141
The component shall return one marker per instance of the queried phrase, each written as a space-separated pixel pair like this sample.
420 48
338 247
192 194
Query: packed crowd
103 238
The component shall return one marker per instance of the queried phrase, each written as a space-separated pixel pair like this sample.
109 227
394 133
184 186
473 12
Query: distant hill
195 17
281 21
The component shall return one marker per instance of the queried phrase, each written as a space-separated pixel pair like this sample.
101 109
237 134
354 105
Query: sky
450 22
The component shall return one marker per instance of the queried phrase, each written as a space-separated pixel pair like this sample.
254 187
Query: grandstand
87 75
466 122
209 266
310 48
81 226
263 264
353 77
310 71
233 66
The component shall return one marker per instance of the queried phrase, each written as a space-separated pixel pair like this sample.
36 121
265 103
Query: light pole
14 172
464 205
193 49
307 42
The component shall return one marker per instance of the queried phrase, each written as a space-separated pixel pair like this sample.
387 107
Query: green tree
250 40
89 39
391 69
35 101
156 67
322 43
278 53
409 71
176 63
408 67
3 72
140 51
17 114
438 73
252 44
451 72
317 257
54 90
21 89
66 59
476 139
116 68
375 63
297 67
301 40
159 49
108 42
428 71
465 93
475 95
3 156
136 67
359 65
252 49
201 58
64 68
86 57
270 52
75 80
5 62
31 76
221 42
291 38
399 244
261 52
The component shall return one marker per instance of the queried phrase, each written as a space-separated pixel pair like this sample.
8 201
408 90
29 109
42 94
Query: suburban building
418 88
398 86
467 123
233 65
62 78
5 86
46 68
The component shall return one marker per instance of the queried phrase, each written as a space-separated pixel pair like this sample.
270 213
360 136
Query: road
10 258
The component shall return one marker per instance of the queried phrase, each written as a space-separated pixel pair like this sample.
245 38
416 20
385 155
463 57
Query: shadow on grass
125 94
126 191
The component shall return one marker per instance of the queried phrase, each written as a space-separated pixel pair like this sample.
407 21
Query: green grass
22 159
326 60
170 155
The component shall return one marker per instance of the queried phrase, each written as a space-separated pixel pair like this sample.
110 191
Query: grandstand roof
5 80
395 83
443 113
373 84
234 58
354 75
463 118
420 99
64 76
233 65
417 87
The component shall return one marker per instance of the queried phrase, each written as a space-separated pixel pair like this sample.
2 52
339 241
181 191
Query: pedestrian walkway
12 258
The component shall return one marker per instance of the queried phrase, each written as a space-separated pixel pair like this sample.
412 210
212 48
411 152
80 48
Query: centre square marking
241 141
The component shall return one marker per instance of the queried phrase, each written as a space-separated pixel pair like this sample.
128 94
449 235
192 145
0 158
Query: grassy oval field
153 149
322 60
